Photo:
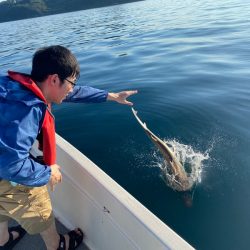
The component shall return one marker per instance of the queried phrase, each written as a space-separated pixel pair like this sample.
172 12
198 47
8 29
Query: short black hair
54 59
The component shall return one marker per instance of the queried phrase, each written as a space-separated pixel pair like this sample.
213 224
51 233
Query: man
25 108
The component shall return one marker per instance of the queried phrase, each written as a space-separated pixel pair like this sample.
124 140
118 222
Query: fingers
121 97
128 103
53 183
60 179
52 187
56 176
126 94
131 92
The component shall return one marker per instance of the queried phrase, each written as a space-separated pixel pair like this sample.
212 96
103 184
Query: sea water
191 160
189 61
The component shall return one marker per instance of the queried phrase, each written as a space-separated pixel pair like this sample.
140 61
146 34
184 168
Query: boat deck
35 242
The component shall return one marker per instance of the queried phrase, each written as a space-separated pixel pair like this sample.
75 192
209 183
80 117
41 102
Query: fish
181 179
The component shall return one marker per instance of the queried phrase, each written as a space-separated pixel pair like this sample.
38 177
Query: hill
11 10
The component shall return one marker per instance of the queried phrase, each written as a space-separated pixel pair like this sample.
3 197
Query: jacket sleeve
87 94
18 131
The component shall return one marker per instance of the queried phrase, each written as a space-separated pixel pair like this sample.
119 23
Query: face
62 89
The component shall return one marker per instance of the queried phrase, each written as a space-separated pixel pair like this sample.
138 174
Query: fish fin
134 111
153 138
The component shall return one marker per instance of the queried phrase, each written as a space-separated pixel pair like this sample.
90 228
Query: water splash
191 160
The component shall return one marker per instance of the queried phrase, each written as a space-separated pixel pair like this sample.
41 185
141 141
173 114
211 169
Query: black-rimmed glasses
72 83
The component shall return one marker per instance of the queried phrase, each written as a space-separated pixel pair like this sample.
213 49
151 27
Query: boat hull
110 217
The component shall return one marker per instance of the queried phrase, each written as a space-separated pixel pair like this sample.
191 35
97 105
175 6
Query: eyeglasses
72 83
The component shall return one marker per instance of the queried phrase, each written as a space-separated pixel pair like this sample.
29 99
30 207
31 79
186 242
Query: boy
25 107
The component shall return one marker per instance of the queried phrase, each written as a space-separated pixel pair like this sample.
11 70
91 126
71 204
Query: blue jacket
21 116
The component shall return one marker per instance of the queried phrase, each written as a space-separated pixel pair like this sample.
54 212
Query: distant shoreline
13 10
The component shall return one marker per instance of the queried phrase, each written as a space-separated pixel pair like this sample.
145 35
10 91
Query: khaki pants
29 206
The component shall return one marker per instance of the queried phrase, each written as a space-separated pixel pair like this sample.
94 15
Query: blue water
190 62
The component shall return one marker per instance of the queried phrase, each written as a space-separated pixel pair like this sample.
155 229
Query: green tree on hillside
20 9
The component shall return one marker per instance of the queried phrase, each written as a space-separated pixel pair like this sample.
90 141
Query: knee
4 233
4 237
38 224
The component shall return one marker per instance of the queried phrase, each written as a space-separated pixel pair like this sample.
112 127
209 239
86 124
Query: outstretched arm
86 94
121 97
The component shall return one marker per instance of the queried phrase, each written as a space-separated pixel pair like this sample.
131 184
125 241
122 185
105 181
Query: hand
121 97
55 177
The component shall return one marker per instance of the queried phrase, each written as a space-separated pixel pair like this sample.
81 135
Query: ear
53 79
